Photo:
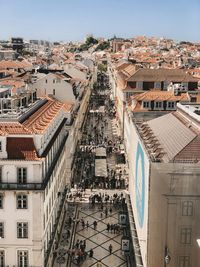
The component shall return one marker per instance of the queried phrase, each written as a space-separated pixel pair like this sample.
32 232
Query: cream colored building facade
32 188
163 158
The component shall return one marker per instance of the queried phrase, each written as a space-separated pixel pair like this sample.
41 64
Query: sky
72 20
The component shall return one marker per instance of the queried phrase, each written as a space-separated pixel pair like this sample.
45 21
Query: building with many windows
164 155
128 79
32 183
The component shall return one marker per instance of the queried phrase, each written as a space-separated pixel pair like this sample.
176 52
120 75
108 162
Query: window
157 85
1 201
187 208
139 85
171 104
128 95
186 235
1 230
158 104
54 81
22 201
132 84
2 258
46 81
146 104
22 175
184 261
54 91
22 230
0 146
22 258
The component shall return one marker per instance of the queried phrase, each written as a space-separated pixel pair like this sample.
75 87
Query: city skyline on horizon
54 22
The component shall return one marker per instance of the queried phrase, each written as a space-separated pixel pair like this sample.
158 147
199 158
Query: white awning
100 152
101 168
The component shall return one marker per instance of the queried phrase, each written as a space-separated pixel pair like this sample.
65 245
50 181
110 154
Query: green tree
103 46
91 41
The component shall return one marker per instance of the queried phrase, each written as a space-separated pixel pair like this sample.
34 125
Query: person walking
83 224
95 225
110 248
106 212
91 253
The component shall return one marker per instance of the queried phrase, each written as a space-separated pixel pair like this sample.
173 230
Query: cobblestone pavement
100 239
97 239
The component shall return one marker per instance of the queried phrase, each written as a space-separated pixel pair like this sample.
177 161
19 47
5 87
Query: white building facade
32 185
163 158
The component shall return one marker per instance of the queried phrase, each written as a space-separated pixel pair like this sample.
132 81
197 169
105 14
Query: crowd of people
97 133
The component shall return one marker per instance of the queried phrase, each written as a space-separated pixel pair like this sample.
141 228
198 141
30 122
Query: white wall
138 185
9 170
10 215
63 89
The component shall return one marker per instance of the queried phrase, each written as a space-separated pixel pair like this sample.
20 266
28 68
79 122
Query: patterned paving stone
115 245
99 253
113 260
99 238
118 253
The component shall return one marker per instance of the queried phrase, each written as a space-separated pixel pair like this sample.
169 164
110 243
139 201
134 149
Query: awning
100 152
101 168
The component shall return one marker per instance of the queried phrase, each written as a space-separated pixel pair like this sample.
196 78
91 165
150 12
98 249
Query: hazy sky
74 19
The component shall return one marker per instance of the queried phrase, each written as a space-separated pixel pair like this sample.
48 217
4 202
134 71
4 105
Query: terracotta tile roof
21 148
191 152
154 75
40 120
153 95
11 64
128 71
14 83
122 65
13 128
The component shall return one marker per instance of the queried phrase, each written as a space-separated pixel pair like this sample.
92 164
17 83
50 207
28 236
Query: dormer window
146 104
171 105
158 105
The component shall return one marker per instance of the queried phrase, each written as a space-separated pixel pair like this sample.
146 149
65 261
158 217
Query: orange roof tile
13 128
21 148
160 96
41 119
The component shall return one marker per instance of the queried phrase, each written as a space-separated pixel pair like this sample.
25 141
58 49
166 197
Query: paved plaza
98 239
